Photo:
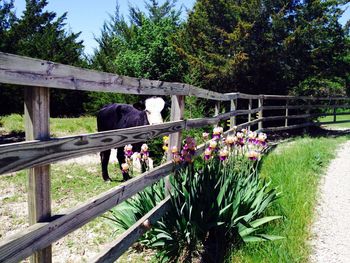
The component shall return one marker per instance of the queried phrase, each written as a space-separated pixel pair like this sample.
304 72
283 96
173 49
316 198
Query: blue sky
88 16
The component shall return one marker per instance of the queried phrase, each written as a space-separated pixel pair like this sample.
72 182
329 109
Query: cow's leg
104 164
121 160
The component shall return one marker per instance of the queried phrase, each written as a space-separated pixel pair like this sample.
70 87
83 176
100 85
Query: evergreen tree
316 49
39 34
263 46
7 19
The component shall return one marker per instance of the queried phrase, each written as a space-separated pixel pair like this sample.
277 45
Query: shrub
320 87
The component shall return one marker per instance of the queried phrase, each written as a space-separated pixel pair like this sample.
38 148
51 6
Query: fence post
260 105
286 119
249 114
334 111
308 120
233 108
217 110
37 115
177 113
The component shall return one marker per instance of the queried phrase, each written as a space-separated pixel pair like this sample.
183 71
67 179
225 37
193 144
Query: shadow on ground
12 137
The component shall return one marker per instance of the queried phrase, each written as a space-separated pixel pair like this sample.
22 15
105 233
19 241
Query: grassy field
58 126
295 168
339 118
87 124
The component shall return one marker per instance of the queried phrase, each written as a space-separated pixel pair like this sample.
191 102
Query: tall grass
296 169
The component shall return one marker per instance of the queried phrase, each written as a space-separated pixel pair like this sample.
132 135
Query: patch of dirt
11 137
13 209
79 246
90 159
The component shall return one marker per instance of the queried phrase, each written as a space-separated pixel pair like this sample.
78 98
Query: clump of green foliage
320 87
138 47
40 33
264 46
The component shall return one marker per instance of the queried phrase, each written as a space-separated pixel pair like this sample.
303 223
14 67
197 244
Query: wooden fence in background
39 150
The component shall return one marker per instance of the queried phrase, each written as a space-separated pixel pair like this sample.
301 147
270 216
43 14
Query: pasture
14 123
72 182
81 182
337 125
302 160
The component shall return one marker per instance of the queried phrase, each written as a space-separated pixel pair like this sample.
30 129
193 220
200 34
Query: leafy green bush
320 87
13 123
217 201
96 100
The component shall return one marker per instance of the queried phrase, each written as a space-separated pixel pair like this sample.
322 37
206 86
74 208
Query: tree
140 47
211 41
38 33
258 46
142 35
7 19
318 41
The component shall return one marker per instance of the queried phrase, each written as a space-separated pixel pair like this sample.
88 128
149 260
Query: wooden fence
39 150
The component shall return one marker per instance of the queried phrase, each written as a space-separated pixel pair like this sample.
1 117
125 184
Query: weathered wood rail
39 151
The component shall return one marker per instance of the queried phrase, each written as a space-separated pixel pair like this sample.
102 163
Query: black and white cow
120 116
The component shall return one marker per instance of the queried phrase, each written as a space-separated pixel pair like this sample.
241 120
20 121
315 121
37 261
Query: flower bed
218 200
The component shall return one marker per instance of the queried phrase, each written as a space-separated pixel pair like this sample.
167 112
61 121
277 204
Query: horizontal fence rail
22 155
40 73
290 127
295 111
285 97
305 107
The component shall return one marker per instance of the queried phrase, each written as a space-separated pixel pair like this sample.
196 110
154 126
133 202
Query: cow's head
154 106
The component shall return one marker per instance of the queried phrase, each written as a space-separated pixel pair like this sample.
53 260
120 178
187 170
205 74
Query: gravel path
331 229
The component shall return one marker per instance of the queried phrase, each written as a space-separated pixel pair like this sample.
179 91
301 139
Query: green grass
12 123
58 126
295 168
339 118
